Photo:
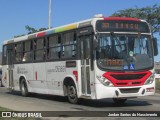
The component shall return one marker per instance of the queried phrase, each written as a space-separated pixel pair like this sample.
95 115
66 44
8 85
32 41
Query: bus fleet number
60 68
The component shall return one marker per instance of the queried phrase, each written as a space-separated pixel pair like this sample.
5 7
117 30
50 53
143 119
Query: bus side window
27 54
39 51
4 55
54 47
74 46
18 52
69 45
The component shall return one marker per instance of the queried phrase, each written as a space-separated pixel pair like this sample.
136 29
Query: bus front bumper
124 92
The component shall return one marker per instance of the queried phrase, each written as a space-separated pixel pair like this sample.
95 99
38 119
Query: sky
16 14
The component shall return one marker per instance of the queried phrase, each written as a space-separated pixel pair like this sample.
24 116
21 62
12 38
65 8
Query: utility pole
50 13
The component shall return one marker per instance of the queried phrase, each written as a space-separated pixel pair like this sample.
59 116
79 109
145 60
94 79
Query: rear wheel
119 100
23 88
72 94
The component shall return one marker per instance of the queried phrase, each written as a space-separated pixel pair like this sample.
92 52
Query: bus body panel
56 73
39 78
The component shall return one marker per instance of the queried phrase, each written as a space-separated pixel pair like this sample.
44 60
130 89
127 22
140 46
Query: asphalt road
39 102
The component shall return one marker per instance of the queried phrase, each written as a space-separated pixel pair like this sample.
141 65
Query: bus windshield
124 52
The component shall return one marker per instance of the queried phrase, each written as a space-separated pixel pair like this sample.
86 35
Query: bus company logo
21 70
6 114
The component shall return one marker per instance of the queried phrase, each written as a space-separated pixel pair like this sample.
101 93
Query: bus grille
130 90
128 76
121 79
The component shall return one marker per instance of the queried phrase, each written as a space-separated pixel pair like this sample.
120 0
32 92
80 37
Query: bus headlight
150 80
104 81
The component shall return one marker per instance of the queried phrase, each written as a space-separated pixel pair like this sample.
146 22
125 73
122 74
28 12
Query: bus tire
119 100
72 94
23 88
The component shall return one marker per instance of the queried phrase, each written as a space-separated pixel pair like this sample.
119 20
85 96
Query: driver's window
105 47
140 46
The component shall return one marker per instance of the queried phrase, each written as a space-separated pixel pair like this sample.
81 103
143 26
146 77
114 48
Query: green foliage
150 13
33 30
4 109
30 30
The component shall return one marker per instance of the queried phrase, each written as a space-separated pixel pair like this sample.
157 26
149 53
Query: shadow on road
110 103
90 103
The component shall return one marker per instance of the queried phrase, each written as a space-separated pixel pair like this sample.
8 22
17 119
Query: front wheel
119 100
23 88
72 94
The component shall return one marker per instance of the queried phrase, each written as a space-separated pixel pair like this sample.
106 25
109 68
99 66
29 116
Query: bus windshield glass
124 52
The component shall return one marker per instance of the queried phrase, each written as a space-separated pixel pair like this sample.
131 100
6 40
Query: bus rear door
10 66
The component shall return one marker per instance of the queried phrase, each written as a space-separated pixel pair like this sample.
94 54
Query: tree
33 30
30 30
150 13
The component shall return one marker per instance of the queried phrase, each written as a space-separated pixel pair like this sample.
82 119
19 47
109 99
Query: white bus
102 57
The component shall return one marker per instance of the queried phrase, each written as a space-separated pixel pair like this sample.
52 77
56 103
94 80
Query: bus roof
75 25
51 31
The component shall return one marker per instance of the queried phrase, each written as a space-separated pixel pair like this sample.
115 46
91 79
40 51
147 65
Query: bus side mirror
155 46
96 48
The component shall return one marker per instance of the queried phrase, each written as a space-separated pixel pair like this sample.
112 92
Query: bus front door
85 65
10 67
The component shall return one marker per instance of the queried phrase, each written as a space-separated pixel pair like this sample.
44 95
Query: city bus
97 58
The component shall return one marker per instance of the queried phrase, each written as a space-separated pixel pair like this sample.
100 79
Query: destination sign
122 26
115 62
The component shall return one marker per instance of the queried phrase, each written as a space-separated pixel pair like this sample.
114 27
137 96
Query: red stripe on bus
41 34
121 18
